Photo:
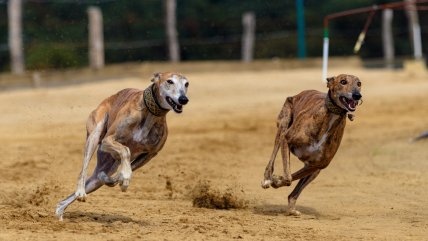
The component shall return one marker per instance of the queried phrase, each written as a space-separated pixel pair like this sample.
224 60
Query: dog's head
345 91
172 90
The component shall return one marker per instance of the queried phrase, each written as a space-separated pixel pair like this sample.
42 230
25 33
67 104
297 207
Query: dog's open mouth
350 104
176 107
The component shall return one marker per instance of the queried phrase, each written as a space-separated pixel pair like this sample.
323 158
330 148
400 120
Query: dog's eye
343 82
359 84
170 82
186 84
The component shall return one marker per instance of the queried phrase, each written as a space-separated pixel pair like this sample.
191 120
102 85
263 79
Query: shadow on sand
276 210
101 218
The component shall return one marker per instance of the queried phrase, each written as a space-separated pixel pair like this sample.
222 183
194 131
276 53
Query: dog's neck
152 103
333 107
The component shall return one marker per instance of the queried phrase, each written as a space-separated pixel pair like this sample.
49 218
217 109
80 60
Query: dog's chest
313 143
313 150
147 137
149 134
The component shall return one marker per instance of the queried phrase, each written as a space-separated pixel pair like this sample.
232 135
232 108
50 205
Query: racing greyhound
129 128
311 126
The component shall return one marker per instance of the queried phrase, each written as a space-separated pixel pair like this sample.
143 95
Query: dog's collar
152 103
333 107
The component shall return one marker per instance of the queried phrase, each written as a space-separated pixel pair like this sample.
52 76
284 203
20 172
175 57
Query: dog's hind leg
287 178
92 184
283 122
270 166
105 164
292 198
95 128
106 167
137 163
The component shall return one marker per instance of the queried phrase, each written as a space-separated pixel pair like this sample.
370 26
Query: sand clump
204 195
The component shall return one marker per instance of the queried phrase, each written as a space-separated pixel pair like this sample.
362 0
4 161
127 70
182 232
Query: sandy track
375 188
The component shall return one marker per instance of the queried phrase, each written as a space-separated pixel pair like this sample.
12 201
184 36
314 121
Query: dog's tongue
352 103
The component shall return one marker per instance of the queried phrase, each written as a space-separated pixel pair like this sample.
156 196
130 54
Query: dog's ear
330 81
156 76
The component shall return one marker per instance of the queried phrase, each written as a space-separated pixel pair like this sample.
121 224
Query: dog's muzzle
349 104
356 96
177 107
182 100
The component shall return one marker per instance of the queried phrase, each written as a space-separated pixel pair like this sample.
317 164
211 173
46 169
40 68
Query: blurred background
55 32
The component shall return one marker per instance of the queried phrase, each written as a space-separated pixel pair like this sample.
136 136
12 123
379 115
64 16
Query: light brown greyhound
129 129
311 126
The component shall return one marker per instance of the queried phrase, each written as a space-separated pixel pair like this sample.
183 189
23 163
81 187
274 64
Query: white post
387 37
171 30
96 38
417 41
414 28
248 36
325 59
15 36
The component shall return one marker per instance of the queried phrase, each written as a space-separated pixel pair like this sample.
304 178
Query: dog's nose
183 100
356 96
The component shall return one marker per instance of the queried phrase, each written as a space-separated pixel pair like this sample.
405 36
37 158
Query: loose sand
376 188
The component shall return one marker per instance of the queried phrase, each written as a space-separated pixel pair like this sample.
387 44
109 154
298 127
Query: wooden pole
15 36
415 28
96 38
248 36
171 30
387 37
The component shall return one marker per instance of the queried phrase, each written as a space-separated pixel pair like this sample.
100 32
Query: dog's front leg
116 149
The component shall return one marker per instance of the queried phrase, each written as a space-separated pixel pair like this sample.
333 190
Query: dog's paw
280 181
59 212
124 181
277 181
266 183
124 185
80 195
287 181
293 212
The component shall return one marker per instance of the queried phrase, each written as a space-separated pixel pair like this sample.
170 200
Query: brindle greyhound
311 126
129 129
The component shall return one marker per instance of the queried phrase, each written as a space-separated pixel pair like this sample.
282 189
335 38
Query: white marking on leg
266 184
125 169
